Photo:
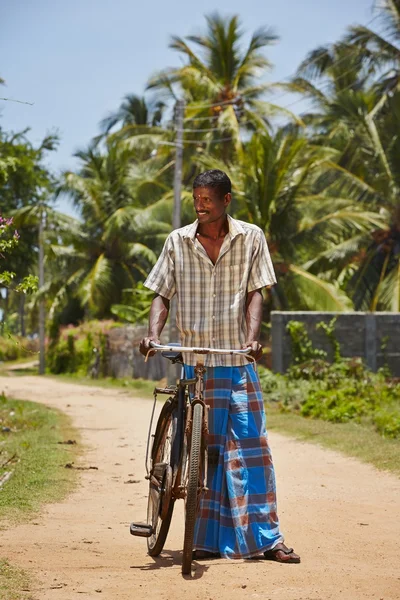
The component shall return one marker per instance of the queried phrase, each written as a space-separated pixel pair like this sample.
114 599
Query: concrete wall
359 334
125 359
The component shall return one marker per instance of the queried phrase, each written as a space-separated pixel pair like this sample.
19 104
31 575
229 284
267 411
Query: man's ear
227 199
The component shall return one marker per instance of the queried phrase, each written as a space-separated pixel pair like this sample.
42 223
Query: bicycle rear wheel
194 487
160 504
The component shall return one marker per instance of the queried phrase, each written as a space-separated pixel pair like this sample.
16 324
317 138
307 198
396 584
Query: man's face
209 204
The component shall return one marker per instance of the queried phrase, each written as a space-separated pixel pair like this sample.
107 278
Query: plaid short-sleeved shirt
211 298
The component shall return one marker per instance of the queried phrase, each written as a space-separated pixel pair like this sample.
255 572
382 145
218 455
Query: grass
5 366
358 441
14 583
29 448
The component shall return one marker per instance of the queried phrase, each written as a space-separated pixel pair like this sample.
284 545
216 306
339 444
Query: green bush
388 423
14 347
72 349
339 392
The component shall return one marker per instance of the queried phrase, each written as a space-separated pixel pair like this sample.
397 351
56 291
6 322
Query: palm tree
337 85
359 121
134 110
220 82
380 50
111 249
275 188
375 284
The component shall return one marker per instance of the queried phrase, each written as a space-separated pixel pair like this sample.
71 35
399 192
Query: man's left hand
256 348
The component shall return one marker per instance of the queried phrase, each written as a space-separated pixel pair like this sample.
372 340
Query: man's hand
256 349
144 345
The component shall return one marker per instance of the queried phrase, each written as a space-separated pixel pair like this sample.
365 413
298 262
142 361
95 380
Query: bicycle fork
199 399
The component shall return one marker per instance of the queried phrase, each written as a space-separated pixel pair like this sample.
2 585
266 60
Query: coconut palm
138 123
134 110
337 86
381 50
220 81
366 173
111 249
275 182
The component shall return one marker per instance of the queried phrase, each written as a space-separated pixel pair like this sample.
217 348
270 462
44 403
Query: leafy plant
342 391
302 346
329 329
8 241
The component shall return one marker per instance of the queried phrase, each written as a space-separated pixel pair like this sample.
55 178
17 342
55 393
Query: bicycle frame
183 383
177 462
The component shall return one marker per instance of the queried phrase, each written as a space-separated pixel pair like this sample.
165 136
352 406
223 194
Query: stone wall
125 359
359 334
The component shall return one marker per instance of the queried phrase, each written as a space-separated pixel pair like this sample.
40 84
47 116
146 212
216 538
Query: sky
76 60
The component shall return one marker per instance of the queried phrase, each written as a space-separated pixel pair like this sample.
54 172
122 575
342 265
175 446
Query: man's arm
158 316
254 302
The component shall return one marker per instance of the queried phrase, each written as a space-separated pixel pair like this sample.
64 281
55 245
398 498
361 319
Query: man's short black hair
214 179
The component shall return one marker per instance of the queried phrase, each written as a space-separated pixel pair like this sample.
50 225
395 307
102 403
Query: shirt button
213 339
214 295
213 316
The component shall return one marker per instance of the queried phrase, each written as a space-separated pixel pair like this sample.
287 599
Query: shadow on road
171 558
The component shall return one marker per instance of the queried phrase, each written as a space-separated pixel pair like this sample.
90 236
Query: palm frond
318 294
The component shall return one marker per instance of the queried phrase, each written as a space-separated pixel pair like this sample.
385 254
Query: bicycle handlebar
193 350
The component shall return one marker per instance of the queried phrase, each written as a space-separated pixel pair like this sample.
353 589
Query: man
217 267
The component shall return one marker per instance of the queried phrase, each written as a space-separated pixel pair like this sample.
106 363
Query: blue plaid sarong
238 515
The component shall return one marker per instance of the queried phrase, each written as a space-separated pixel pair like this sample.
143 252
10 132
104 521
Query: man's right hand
145 347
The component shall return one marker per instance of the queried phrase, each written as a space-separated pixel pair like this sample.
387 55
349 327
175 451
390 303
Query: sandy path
343 517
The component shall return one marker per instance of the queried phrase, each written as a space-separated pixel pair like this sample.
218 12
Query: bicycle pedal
141 530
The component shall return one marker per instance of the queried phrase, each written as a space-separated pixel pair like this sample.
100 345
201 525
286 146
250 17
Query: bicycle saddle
175 357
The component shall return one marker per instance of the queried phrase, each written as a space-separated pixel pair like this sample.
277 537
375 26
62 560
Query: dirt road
343 517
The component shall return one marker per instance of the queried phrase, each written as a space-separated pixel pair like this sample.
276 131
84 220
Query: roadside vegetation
350 438
15 584
36 442
339 392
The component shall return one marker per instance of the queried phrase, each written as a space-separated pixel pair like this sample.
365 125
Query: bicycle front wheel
194 487
160 504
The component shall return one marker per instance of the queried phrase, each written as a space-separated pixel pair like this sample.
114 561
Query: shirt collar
235 228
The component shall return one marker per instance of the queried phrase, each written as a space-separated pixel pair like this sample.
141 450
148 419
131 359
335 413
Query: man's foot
281 553
204 555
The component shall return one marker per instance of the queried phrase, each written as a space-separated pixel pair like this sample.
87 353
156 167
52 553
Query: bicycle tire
193 487
161 455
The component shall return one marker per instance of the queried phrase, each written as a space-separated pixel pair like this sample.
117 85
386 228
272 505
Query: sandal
204 555
281 553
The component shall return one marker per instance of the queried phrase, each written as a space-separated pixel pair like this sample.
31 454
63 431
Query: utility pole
42 216
176 215
176 219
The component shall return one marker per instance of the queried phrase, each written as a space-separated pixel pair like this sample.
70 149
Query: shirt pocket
237 276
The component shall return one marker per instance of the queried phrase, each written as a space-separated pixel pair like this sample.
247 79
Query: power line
209 118
215 104
213 128
19 101
227 139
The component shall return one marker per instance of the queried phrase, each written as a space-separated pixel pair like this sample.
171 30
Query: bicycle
178 456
